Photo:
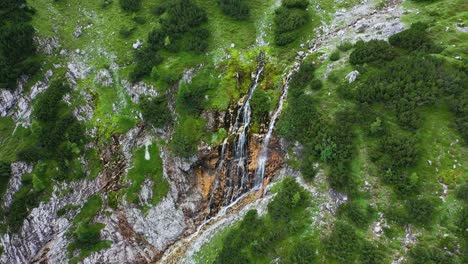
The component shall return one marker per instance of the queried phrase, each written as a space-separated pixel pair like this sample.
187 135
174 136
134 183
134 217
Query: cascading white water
240 131
263 158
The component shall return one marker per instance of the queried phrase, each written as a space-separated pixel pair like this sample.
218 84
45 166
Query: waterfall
263 158
238 167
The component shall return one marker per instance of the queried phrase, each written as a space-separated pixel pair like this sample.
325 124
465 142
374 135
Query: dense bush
373 252
335 56
302 4
187 136
261 105
258 238
130 5
5 173
155 111
371 51
343 244
288 199
290 17
424 253
180 30
182 16
17 49
303 251
414 39
237 9
358 212
422 210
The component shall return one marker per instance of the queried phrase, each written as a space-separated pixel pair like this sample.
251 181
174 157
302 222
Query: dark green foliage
288 199
130 5
301 79
126 32
197 40
237 9
424 253
303 252
259 238
345 46
462 192
397 152
187 136
191 98
316 84
414 39
308 168
106 3
155 111
182 16
335 56
139 20
422 210
343 244
358 212
5 173
301 4
85 234
289 18
17 49
373 252
372 51
180 30
261 105
145 60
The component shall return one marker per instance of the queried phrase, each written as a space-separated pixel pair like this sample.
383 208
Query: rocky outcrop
18 169
137 90
44 231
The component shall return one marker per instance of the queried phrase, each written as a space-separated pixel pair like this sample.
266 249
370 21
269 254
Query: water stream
237 169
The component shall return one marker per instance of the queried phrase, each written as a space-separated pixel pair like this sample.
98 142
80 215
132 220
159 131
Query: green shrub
343 244
373 253
126 32
287 21
187 136
424 253
237 9
345 46
155 111
192 97
303 251
5 173
422 210
290 197
17 48
106 3
461 192
371 51
301 4
316 84
308 168
261 105
358 212
130 5
414 39
335 56
139 20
